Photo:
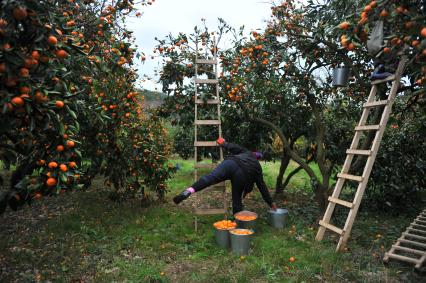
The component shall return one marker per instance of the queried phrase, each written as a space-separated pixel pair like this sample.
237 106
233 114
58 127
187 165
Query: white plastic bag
375 41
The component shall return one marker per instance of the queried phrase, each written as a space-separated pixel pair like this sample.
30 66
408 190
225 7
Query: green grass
96 240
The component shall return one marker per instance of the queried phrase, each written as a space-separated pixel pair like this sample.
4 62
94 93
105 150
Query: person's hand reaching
220 141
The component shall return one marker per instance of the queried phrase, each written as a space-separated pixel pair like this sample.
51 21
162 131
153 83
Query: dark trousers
226 170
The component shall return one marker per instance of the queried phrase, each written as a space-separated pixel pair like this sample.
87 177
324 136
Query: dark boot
180 197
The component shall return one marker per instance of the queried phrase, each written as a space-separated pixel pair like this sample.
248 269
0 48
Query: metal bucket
278 219
222 238
246 224
340 76
240 244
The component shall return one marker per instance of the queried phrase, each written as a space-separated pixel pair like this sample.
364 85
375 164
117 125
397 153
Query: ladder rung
358 151
420 221
401 257
331 227
375 103
205 143
206 61
206 81
208 101
388 79
367 128
405 249
350 177
205 165
415 224
414 243
207 122
414 236
416 230
207 211
341 202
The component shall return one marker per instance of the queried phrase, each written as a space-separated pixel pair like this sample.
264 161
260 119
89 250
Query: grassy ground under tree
84 236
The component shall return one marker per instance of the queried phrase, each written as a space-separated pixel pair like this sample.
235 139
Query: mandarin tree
66 72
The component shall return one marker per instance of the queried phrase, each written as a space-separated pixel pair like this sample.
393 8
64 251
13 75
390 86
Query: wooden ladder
370 154
412 242
199 123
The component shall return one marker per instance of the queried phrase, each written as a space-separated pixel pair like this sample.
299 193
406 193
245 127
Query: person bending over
242 168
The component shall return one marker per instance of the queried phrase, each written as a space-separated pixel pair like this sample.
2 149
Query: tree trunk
285 161
321 196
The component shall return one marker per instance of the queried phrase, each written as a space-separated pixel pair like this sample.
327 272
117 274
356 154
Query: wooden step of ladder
370 154
213 122
412 243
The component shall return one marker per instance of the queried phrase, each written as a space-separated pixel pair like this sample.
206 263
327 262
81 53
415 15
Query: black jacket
251 168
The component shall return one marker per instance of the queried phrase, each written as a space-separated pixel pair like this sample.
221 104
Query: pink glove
220 141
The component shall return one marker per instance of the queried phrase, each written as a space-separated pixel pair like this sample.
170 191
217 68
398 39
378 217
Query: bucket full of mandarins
222 232
240 241
246 219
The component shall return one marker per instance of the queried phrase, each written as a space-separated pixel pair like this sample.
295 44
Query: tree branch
286 146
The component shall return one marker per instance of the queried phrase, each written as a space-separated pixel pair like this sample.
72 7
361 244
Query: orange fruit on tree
44 59
2 68
52 40
39 97
61 54
72 164
50 182
409 24
41 162
63 168
343 40
400 9
60 148
415 43
292 259
384 14
367 9
423 32
386 50
344 25
24 89
351 46
20 13
59 104
24 72
37 195
70 144
52 164
35 55
18 101
70 23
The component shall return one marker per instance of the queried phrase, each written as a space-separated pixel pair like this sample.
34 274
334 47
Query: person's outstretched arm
232 147
260 183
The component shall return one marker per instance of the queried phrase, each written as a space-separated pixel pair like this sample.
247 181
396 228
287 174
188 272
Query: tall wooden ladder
199 123
411 246
353 151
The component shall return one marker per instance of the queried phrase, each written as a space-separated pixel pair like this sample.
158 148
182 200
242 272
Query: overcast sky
174 16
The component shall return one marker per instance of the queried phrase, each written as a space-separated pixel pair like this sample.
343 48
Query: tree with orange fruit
281 77
54 62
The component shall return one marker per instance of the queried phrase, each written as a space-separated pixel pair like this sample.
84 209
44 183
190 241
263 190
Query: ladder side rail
346 165
370 161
